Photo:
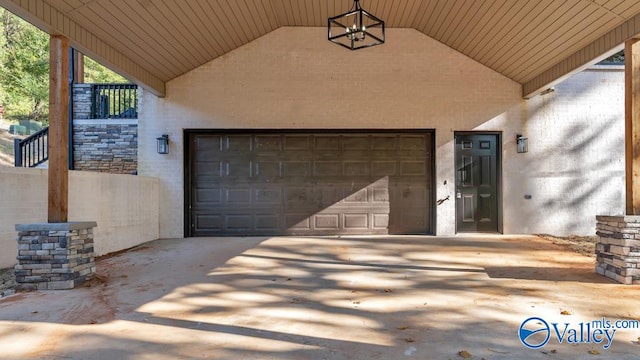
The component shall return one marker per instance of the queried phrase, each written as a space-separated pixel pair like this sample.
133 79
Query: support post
58 204
78 67
17 153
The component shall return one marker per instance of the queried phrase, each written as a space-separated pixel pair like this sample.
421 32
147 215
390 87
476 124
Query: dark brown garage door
282 183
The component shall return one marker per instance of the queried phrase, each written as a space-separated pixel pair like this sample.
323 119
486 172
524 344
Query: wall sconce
522 143
163 144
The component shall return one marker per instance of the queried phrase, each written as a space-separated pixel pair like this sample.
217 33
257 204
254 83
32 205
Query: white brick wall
574 169
124 206
293 78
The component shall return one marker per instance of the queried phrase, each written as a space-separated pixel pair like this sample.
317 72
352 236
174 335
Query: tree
98 74
24 69
615 59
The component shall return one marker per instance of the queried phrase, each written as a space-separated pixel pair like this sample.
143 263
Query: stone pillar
618 248
54 256
82 101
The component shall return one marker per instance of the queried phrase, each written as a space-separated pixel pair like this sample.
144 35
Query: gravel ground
7 282
584 245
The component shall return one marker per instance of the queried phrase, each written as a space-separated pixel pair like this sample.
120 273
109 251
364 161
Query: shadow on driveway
381 297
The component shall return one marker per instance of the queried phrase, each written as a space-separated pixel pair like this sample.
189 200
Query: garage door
287 183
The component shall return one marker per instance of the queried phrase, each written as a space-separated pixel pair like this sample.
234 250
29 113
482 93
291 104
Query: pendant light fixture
356 29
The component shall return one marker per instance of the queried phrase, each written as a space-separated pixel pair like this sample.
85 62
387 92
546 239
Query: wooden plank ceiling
531 42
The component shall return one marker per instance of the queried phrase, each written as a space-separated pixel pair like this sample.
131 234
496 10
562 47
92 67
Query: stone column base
618 248
54 256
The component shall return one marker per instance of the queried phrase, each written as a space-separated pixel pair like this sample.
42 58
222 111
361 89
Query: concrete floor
322 298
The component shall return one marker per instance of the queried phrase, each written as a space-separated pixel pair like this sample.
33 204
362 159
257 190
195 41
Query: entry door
477 183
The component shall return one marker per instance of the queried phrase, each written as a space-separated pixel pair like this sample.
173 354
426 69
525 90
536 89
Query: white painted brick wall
293 78
124 206
574 169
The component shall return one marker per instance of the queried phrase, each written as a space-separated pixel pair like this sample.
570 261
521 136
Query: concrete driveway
325 298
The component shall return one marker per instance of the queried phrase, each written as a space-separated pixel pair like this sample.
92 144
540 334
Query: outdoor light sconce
356 29
163 144
522 143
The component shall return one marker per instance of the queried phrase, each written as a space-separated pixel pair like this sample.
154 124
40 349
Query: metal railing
32 151
114 101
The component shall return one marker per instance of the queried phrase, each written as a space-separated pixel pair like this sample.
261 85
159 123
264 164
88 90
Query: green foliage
98 74
24 69
617 59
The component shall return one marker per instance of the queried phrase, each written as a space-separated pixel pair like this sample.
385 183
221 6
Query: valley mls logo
535 332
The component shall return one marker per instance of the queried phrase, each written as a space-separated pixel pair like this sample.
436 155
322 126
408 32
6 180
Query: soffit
524 40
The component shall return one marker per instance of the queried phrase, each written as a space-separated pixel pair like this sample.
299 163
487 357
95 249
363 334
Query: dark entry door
477 183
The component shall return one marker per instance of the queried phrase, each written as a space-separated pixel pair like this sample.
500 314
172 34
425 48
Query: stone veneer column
54 256
618 248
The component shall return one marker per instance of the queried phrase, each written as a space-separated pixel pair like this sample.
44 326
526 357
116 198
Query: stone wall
106 145
618 248
102 145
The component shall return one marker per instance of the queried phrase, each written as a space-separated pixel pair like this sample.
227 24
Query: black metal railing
114 101
32 151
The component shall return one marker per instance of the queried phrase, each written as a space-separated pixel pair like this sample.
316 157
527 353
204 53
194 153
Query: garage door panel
380 221
297 142
265 144
327 222
211 223
211 169
265 169
409 142
323 168
327 142
207 144
413 168
380 195
356 168
384 142
297 198
208 196
268 195
356 143
310 184
237 196
239 222
239 168
268 222
297 222
356 221
385 168
326 194
352 197
296 168
238 144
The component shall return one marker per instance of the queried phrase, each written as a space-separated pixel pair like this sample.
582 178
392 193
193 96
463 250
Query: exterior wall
125 207
293 78
106 145
574 169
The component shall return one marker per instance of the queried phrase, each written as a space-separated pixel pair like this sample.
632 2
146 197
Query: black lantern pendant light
356 29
